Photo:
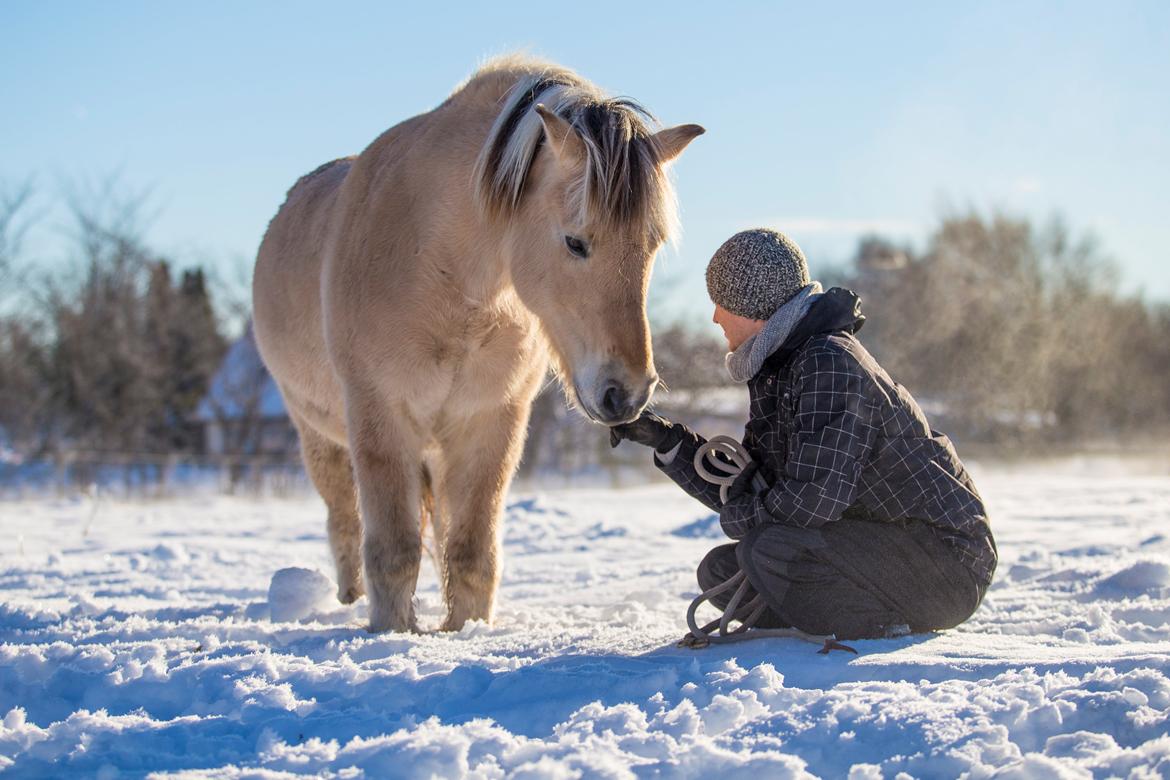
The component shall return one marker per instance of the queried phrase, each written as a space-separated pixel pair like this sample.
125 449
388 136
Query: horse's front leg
386 459
479 458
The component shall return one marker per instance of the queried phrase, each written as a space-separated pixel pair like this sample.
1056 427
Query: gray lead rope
722 472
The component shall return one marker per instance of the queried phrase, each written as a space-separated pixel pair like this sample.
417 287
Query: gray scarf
746 361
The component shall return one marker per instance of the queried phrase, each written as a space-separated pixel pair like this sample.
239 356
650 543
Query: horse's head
596 208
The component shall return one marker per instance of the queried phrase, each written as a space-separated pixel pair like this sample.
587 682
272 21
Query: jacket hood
838 309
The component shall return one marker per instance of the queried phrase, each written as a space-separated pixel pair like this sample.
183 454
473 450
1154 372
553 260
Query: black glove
743 482
649 430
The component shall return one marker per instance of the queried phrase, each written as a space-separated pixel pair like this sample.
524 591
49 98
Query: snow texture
200 637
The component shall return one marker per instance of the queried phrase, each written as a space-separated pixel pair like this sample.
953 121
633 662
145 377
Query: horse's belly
291 343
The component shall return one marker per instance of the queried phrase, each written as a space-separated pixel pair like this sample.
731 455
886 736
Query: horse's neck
489 290
466 249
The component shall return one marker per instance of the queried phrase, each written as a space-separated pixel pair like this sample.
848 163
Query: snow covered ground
142 637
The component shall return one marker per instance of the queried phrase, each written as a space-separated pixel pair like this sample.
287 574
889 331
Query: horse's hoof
410 627
349 595
456 624
382 620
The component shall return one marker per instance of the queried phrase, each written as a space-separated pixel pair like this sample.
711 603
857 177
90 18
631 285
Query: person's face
736 329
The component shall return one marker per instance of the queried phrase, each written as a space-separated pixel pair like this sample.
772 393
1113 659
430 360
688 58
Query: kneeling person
865 523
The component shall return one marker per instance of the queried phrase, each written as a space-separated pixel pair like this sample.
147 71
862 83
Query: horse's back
286 296
367 229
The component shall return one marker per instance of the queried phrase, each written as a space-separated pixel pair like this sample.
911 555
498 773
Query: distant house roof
242 386
7 454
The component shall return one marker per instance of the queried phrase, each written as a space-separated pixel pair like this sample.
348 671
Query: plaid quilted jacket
835 436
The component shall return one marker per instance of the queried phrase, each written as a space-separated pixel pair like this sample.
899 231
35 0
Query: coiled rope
719 461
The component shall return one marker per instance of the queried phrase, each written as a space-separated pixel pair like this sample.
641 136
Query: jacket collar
836 310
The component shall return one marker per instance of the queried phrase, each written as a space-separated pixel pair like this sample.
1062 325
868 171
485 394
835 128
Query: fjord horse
410 300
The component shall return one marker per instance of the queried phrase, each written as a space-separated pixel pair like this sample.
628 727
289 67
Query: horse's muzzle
618 404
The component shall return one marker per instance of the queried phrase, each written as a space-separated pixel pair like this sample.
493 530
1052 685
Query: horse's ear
566 145
671 141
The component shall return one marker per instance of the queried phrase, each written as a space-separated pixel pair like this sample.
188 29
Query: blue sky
822 122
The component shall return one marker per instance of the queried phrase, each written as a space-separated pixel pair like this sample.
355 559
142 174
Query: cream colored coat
408 311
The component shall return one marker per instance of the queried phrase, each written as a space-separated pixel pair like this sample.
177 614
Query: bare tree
1016 331
16 218
127 354
25 408
230 285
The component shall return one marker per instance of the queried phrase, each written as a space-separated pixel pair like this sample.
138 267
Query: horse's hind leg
329 467
478 462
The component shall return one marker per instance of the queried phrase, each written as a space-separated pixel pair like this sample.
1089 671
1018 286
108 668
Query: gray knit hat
756 272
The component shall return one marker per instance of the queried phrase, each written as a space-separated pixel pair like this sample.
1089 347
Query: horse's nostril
613 402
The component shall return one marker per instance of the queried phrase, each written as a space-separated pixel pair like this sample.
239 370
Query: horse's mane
623 182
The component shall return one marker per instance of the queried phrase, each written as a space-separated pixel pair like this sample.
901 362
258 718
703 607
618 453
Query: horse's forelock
622 183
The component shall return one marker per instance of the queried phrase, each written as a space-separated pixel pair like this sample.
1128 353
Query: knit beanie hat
756 272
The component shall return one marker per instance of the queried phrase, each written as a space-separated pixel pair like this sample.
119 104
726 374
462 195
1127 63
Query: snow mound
169 551
1148 577
296 593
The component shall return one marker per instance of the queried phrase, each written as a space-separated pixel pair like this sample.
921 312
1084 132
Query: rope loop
720 460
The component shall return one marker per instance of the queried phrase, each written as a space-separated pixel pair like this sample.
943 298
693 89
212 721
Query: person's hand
649 430
743 482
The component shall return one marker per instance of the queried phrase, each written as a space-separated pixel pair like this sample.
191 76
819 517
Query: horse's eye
576 246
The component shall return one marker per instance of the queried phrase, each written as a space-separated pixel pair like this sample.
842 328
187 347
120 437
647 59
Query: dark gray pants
852 578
